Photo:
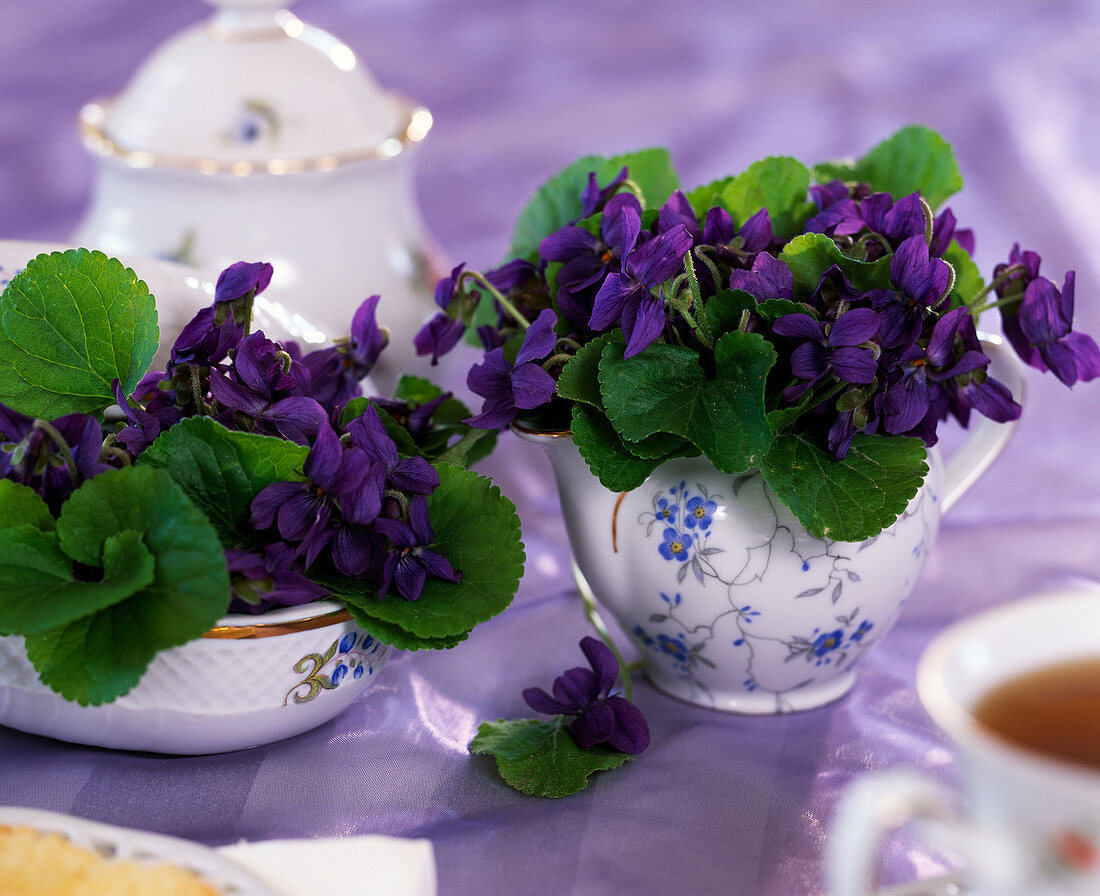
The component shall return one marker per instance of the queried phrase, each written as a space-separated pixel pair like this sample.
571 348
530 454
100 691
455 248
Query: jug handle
987 438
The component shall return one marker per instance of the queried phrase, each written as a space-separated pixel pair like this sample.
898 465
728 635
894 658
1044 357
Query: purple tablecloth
720 803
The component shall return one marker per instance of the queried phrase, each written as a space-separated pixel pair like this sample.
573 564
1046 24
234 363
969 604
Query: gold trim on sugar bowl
93 117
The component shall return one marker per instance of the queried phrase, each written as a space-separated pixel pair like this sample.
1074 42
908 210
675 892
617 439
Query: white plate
226 876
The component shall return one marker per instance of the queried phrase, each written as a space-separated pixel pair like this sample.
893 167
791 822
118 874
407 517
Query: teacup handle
879 804
987 438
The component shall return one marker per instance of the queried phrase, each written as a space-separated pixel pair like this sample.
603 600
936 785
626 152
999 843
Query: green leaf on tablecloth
850 499
100 656
558 201
663 389
913 159
70 324
222 470
491 565
778 183
541 758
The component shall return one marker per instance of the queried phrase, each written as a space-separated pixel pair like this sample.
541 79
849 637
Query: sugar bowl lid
252 89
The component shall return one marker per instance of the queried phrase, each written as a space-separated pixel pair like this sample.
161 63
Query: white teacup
1027 823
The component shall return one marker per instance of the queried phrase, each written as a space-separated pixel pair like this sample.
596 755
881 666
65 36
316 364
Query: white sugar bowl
253 136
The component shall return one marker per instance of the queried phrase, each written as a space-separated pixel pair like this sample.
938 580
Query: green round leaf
850 499
70 324
541 758
100 656
222 470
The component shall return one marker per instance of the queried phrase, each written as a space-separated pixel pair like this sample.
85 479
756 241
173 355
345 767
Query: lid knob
244 14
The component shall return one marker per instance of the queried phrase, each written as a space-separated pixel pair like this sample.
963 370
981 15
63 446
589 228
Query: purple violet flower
769 278
896 221
836 348
585 694
335 372
268 387
922 282
219 328
410 561
1046 319
438 336
273 578
509 388
627 298
594 198
412 475
587 258
302 511
51 457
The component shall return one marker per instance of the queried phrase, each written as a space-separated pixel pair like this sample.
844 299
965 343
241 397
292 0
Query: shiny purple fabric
719 803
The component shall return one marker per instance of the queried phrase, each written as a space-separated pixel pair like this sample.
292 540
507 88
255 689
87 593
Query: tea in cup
1017 691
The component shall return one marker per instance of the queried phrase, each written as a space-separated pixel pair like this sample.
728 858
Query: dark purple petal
808 360
438 336
354 550
576 688
677 210
540 339
614 293
367 339
718 229
265 506
531 386
621 223
567 243
853 365
239 279
300 514
757 232
542 702
410 578
322 464
369 435
659 259
799 326
631 732
445 289
1043 312
414 475
643 322
854 327
602 660
594 725
297 418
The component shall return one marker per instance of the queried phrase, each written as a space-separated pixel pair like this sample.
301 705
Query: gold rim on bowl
272 629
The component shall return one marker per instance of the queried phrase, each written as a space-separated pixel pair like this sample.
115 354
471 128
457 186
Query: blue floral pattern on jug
684 527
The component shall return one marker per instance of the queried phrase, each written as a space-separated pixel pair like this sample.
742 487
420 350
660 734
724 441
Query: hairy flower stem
592 614
196 388
497 295
700 326
62 448
1005 275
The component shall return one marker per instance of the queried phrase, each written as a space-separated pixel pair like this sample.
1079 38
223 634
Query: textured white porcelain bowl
250 680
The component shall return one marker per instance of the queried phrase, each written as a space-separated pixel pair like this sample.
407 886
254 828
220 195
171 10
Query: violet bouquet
138 507
816 323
